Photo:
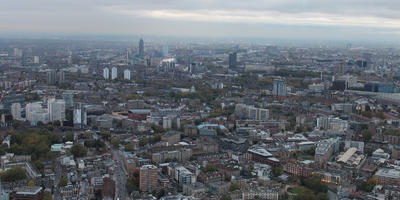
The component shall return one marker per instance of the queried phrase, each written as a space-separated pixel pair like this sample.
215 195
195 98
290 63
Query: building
36 59
388 176
379 87
330 123
35 113
114 73
179 155
298 169
141 48
27 193
324 150
139 114
279 87
55 77
250 112
108 189
16 111
148 178
106 73
80 116
127 74
56 110
68 97
172 137
233 60
184 176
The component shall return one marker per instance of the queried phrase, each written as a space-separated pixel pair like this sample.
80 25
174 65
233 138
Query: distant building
114 73
379 87
106 73
27 193
148 178
56 109
55 77
35 113
388 176
127 74
233 60
68 98
80 116
16 111
324 150
36 59
250 112
279 87
141 48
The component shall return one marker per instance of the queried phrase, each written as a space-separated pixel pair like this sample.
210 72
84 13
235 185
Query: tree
226 197
129 147
234 186
367 135
78 150
63 182
115 142
209 168
276 171
13 174
31 183
69 137
47 197
105 134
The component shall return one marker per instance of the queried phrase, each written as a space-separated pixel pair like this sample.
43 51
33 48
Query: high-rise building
36 59
106 73
165 50
16 111
35 113
56 110
68 97
148 178
114 73
127 74
279 87
141 48
80 116
55 77
233 60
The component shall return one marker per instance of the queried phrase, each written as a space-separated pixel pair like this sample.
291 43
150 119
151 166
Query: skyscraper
148 178
127 74
114 73
36 59
233 60
279 87
68 97
141 48
106 73
55 77
56 110
16 111
80 116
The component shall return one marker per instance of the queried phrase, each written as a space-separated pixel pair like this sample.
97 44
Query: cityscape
166 111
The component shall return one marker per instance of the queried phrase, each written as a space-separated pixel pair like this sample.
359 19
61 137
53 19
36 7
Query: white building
114 73
36 59
56 109
127 74
16 111
106 73
35 113
80 116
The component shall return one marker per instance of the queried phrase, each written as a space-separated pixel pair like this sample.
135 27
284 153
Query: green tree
209 168
115 142
78 150
129 147
63 181
234 186
69 137
47 197
13 174
226 197
276 171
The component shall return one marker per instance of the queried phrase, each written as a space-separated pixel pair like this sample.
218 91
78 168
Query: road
120 173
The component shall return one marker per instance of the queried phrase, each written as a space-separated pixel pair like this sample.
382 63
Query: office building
55 77
165 50
35 113
141 48
379 87
68 97
80 116
279 87
36 59
106 73
114 73
127 74
148 178
233 60
16 111
56 110
250 112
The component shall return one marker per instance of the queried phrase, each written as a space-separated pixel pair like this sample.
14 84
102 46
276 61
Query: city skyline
309 19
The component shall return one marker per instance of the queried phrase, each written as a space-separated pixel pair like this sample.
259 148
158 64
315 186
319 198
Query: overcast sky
322 19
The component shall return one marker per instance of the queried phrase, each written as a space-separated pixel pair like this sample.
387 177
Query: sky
296 19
